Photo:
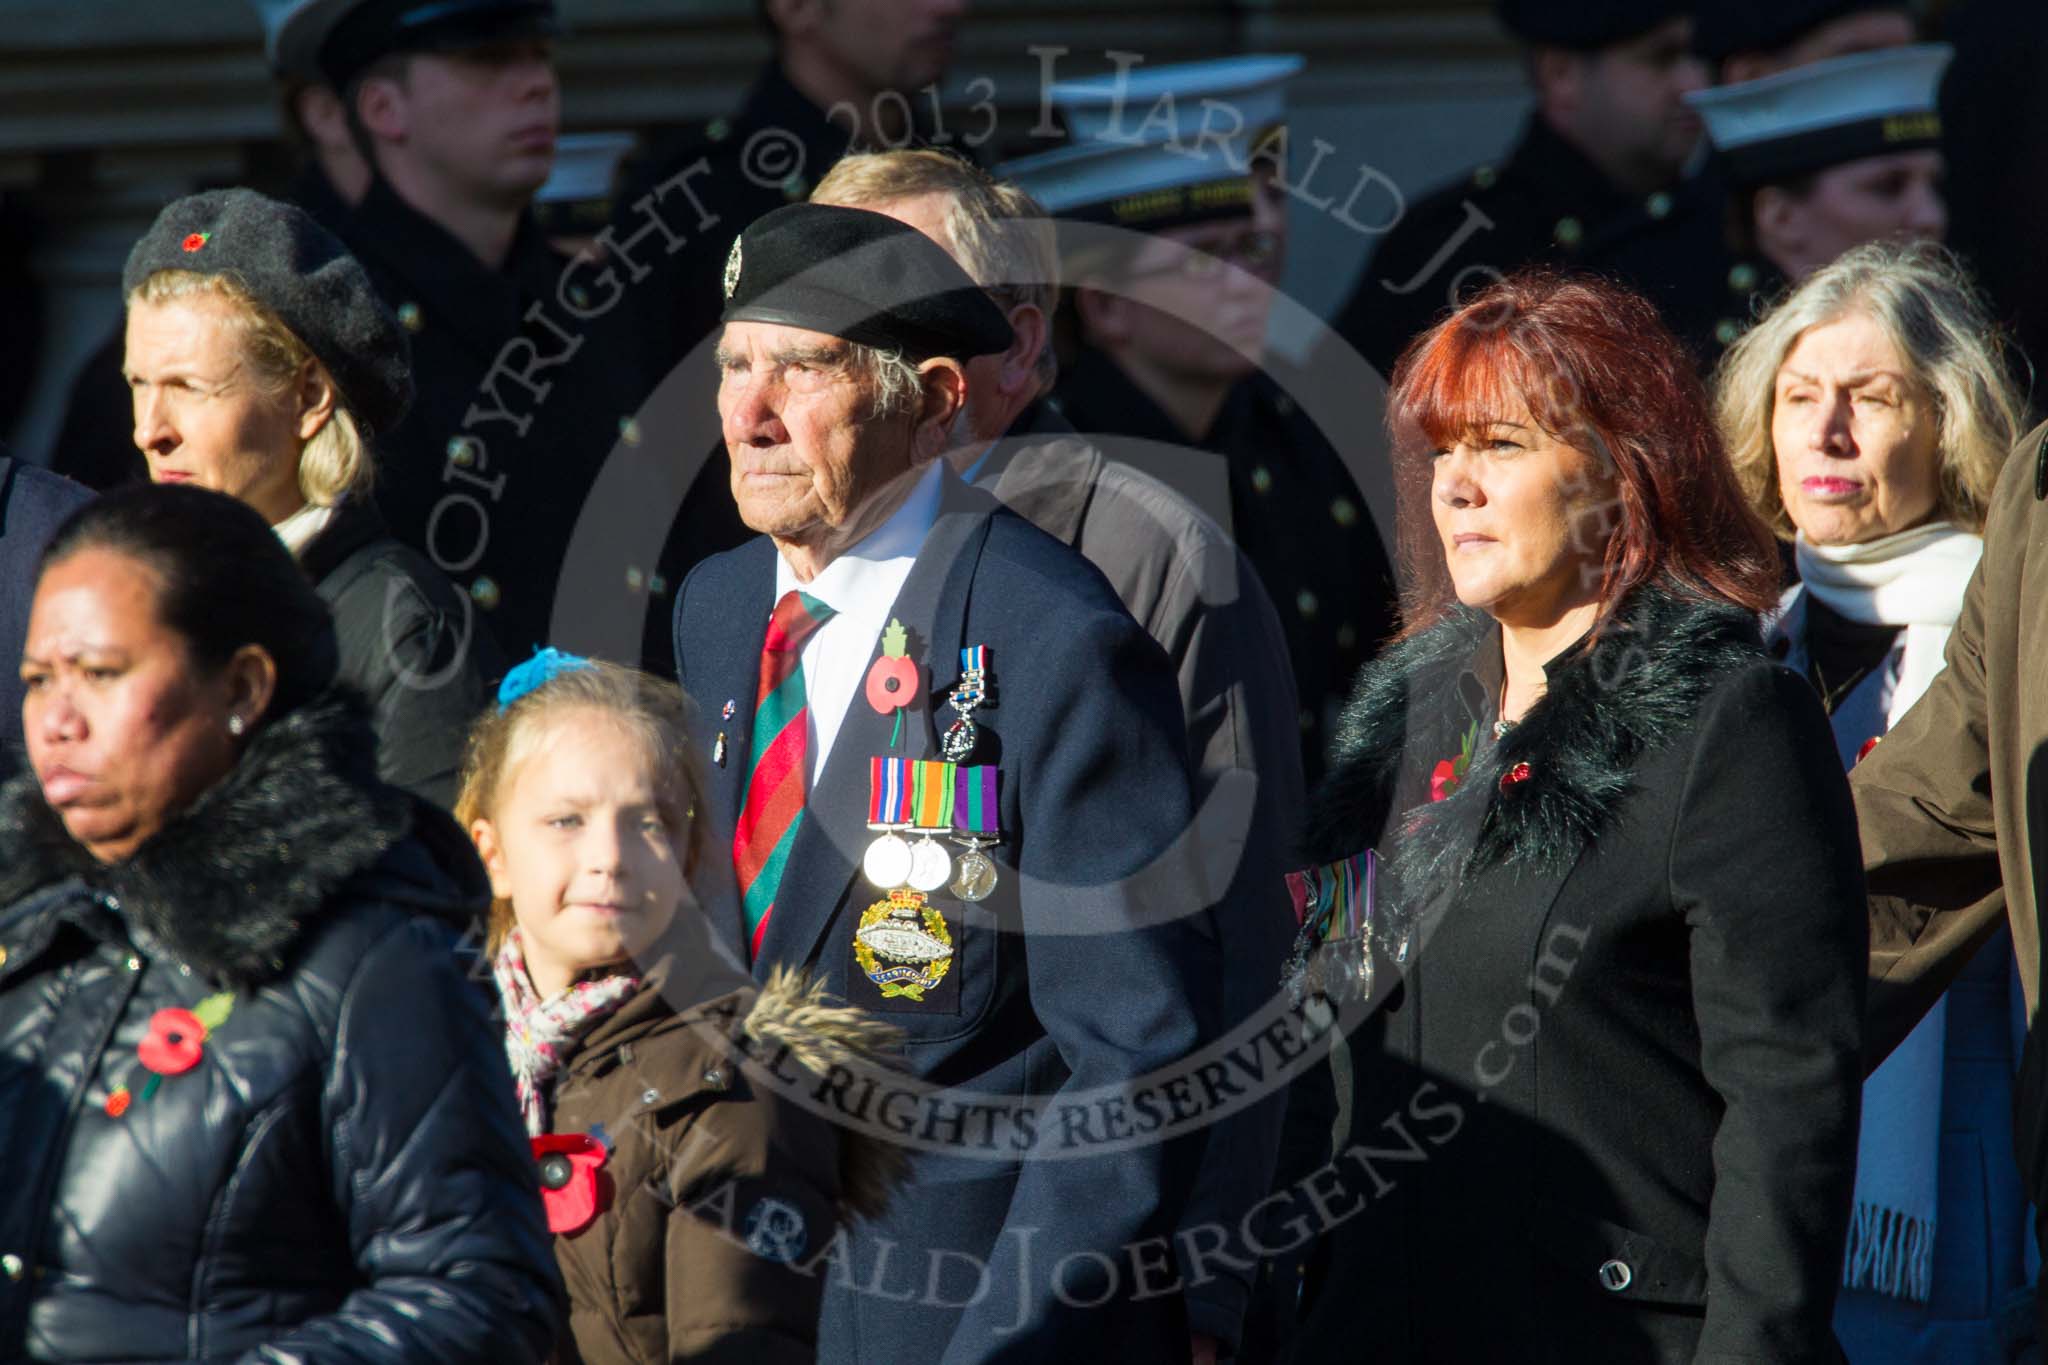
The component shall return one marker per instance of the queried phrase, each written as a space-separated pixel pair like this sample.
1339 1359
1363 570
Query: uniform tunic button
1742 278
579 296
12 1266
629 431
649 1095
635 580
485 593
1344 511
1727 330
133 964
1569 231
1484 177
658 585
1615 1276
1659 205
714 1079
1262 479
409 316
1305 603
718 130
461 451
795 187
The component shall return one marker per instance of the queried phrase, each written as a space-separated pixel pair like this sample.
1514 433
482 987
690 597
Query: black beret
862 276
1733 26
338 38
1587 25
300 272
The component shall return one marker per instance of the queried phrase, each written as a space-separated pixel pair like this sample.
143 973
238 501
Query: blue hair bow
545 666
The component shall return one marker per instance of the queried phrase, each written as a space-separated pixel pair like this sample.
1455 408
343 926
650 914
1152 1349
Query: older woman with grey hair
1867 416
261 363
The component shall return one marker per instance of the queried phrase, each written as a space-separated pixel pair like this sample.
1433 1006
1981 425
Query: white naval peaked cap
1159 146
1827 113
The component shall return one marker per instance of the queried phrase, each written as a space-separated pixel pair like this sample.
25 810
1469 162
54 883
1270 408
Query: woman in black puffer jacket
249 1106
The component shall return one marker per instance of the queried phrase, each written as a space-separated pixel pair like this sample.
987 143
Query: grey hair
892 378
1922 298
1000 235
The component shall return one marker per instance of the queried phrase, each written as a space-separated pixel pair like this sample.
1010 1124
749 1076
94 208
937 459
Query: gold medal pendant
902 945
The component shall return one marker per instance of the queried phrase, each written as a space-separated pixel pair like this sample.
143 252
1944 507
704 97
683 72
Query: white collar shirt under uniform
860 586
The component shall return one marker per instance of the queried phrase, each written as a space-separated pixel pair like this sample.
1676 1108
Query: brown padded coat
1953 802
722 1193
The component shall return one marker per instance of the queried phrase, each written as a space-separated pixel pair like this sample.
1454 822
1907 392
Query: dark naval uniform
1547 204
519 403
1293 509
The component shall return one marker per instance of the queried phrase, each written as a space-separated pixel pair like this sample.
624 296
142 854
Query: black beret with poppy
864 277
302 273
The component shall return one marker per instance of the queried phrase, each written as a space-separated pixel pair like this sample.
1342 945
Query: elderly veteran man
1180 577
893 645
1953 801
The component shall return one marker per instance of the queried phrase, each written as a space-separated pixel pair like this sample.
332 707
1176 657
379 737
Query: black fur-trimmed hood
1636 687
231 885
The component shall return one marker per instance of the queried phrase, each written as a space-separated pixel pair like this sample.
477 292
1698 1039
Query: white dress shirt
860 585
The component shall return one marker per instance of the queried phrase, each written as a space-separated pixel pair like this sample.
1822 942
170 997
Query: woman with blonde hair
1867 417
261 362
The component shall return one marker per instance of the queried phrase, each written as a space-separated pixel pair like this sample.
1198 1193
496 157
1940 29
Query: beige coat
1950 799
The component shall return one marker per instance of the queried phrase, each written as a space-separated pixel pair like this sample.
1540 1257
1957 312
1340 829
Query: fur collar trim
231 885
1632 690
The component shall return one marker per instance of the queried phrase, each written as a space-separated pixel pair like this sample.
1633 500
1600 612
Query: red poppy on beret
196 240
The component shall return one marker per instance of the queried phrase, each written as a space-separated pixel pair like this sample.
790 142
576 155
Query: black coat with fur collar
1609 1114
342 1175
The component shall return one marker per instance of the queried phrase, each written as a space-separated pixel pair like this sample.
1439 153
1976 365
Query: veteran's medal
971 691
902 945
931 811
979 824
888 859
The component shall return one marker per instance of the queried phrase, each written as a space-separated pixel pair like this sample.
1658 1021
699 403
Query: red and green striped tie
774 803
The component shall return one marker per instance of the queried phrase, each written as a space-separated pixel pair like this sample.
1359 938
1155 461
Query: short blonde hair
335 464
652 709
998 232
1923 300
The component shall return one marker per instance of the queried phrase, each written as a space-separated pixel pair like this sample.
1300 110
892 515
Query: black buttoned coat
1608 1113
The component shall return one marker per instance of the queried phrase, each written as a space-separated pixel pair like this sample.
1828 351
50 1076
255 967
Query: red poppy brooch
892 678
173 1046
574 1188
1450 773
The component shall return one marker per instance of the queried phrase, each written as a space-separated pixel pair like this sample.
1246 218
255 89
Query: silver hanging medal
972 689
930 865
887 862
978 822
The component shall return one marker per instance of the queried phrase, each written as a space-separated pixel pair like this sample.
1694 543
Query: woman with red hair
1605 1044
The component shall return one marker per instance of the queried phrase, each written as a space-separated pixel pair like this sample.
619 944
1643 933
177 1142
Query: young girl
686 1195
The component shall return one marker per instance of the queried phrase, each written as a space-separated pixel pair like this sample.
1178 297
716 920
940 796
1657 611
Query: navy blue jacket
33 502
1093 966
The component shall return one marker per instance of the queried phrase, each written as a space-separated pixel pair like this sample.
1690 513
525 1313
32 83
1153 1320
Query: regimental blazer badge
902 945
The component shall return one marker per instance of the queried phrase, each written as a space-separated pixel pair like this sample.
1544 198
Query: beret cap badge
732 268
196 240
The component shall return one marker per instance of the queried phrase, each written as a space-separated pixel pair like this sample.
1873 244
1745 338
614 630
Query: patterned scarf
536 1029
